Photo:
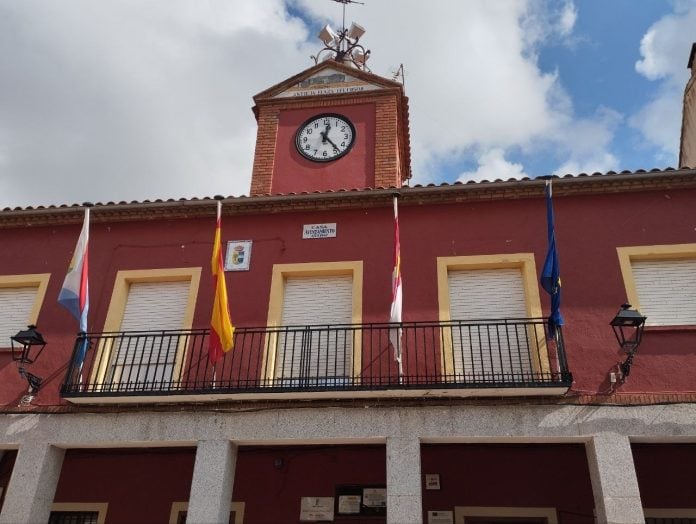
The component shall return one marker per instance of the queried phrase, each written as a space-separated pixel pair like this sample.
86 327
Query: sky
122 100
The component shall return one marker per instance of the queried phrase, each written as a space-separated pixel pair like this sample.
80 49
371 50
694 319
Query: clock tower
333 126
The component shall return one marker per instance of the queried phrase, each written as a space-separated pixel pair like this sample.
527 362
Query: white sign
313 509
349 504
327 82
319 230
432 481
375 497
440 517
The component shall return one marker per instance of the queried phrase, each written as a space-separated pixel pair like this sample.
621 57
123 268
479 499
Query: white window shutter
666 291
155 305
318 356
482 350
486 294
151 306
15 307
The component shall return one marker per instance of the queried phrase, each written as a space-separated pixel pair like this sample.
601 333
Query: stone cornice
625 182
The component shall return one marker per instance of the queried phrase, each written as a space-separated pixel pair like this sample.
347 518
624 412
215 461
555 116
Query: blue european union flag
551 273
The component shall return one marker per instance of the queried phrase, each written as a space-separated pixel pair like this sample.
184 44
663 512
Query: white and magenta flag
395 314
74 296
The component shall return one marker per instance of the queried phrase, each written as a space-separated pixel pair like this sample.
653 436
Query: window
73 517
485 300
670 515
305 300
148 301
180 509
78 513
21 297
492 515
661 282
669 520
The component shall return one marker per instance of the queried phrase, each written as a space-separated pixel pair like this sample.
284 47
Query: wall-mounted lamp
27 345
628 325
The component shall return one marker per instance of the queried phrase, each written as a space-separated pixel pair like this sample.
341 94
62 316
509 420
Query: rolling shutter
151 306
15 307
308 350
666 291
485 350
155 305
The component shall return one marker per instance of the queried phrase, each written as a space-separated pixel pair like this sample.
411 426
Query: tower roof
363 76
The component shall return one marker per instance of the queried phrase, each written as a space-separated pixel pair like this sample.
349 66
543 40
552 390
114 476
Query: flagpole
218 218
395 316
550 274
221 336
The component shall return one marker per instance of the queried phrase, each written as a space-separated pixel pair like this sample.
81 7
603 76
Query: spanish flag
221 328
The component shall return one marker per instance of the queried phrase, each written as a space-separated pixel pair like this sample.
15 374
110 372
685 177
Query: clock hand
331 142
325 134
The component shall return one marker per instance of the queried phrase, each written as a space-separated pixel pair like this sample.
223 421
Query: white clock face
324 138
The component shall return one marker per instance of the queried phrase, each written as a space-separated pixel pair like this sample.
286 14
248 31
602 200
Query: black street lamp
29 341
628 325
27 345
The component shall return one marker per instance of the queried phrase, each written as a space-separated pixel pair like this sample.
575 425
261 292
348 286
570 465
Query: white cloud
492 166
659 121
124 100
664 49
567 19
586 142
471 72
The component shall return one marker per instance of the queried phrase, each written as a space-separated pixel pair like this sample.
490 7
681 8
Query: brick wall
389 137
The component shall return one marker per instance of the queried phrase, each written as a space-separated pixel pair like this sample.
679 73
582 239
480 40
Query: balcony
450 359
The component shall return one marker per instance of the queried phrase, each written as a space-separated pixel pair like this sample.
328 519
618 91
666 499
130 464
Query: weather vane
343 46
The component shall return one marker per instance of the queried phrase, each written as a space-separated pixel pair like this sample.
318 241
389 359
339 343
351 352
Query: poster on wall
238 255
375 497
367 500
432 481
349 504
313 509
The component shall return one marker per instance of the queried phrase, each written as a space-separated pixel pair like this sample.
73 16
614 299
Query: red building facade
307 418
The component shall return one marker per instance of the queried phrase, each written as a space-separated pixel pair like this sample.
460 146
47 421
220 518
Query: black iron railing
507 353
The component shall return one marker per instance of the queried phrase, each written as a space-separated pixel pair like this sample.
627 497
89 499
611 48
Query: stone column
213 479
404 500
33 484
614 480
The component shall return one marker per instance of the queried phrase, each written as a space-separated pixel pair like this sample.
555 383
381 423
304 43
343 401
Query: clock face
325 137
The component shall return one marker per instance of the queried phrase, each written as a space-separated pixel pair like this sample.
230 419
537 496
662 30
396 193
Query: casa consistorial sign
319 230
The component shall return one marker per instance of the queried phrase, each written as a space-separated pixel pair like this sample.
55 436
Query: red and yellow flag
397 293
221 328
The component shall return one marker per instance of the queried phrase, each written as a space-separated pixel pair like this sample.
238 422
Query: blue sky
599 65
132 100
